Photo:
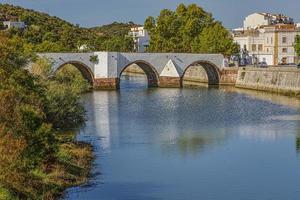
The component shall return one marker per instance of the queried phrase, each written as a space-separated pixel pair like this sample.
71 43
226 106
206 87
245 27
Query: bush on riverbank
71 167
33 110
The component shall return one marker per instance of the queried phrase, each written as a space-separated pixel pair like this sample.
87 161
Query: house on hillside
10 21
141 39
14 24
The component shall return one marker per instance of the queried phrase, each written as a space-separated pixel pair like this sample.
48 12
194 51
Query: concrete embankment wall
285 80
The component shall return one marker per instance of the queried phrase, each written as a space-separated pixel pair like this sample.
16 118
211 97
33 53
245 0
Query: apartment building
268 38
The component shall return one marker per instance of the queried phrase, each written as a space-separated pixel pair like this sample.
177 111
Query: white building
141 39
268 38
83 47
257 20
14 24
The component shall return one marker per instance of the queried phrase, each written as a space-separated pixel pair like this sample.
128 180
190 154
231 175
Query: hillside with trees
45 33
189 29
114 29
114 37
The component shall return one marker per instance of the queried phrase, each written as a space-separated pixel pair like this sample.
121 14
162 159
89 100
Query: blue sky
89 13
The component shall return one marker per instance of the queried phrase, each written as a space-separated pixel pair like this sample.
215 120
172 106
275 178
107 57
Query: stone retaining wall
228 76
106 83
285 80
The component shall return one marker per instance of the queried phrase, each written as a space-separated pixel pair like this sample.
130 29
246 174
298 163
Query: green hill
116 29
45 33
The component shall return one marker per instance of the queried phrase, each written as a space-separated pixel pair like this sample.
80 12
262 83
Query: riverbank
70 167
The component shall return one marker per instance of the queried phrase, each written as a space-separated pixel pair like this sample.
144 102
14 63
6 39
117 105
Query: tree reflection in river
194 143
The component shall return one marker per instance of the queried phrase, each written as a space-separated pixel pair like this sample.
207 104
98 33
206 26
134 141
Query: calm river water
178 144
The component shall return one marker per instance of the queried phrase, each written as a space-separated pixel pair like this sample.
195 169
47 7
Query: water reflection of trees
298 140
298 143
194 144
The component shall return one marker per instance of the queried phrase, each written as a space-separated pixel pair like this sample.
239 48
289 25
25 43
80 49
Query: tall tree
215 39
150 24
32 109
297 45
188 29
1 25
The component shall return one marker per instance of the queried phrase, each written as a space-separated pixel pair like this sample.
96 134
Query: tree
63 108
186 29
181 10
72 77
297 45
47 46
123 44
33 108
215 39
1 25
149 24
11 52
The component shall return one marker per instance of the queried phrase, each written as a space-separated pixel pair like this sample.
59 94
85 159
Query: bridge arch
211 70
149 70
83 68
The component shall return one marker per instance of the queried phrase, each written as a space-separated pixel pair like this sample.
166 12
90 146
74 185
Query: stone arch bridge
104 69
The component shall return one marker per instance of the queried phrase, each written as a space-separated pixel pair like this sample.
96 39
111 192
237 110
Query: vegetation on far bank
36 161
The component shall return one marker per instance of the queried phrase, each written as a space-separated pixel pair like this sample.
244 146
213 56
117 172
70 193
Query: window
284 40
284 50
271 40
260 47
267 49
284 60
253 47
245 47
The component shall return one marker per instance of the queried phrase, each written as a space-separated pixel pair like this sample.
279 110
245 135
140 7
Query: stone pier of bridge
104 69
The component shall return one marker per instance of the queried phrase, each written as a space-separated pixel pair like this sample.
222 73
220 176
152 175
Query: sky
89 13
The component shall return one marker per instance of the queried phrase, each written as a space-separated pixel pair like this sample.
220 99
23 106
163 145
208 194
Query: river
177 144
